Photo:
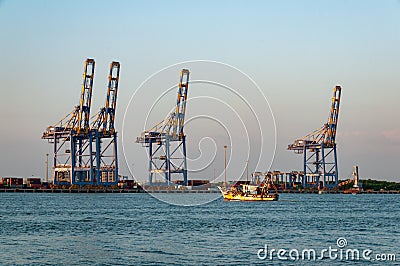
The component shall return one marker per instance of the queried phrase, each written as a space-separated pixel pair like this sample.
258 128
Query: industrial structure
84 147
357 186
166 141
356 177
104 134
282 179
319 150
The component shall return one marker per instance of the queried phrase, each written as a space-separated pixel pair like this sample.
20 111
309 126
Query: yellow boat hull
238 197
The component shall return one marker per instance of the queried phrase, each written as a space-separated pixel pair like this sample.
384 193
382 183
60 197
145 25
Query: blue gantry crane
105 135
319 150
78 154
166 141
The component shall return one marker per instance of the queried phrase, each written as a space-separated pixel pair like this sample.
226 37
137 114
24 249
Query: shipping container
12 182
33 182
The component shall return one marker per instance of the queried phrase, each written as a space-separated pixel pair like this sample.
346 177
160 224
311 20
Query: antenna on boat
247 171
225 164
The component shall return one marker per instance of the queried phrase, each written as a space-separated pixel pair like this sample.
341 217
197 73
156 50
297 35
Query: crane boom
172 126
111 100
180 110
327 133
86 97
333 117
105 118
78 119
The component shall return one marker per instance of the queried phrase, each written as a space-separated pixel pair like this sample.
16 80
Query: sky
295 51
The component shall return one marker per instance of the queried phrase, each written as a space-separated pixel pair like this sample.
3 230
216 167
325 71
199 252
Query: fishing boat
243 191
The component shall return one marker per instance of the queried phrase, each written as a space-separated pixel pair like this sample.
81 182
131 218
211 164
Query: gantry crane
74 160
165 140
319 149
104 134
70 138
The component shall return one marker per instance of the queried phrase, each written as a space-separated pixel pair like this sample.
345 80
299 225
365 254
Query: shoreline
29 190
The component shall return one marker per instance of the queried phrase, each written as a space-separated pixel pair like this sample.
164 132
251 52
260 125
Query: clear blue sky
296 51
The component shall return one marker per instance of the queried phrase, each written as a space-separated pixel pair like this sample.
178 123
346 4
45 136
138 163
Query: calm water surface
136 229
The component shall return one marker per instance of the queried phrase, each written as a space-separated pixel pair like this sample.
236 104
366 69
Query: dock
105 190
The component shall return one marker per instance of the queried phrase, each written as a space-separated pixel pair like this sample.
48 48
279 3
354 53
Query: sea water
138 229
